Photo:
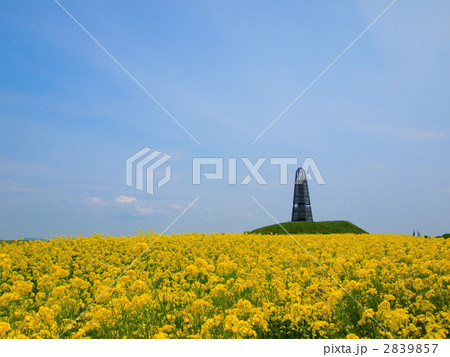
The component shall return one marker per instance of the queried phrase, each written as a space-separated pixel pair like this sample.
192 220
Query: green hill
325 227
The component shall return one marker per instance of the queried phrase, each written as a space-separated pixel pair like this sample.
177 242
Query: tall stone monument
301 209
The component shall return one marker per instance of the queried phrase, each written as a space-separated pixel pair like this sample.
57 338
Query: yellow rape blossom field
225 286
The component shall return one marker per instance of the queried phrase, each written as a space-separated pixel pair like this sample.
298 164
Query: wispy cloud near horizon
95 201
125 199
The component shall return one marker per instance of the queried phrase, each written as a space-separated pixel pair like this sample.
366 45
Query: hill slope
325 227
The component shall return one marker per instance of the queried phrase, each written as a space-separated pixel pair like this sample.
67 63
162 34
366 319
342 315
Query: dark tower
301 210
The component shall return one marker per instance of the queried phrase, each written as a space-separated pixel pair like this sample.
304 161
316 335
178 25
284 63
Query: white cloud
95 201
175 206
125 199
148 211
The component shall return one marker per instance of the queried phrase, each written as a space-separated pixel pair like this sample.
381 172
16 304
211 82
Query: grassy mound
325 227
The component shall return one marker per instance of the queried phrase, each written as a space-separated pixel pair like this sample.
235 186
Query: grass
325 227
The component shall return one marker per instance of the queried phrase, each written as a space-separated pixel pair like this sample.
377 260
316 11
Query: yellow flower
160 335
21 288
46 315
244 306
352 336
139 287
4 329
225 286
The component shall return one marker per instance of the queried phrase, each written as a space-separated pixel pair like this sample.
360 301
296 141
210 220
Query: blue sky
376 123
